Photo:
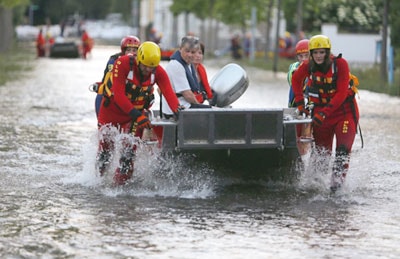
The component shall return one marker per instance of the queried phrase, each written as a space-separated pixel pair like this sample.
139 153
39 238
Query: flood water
53 205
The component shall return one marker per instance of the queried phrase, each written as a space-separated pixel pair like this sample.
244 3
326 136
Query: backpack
353 84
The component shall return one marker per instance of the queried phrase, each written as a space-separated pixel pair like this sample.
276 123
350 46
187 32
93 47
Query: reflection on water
55 206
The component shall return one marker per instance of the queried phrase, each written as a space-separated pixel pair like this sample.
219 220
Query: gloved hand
204 94
301 109
176 114
213 101
142 122
318 119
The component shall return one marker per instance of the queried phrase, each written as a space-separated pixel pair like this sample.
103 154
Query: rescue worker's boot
125 170
340 168
337 180
103 162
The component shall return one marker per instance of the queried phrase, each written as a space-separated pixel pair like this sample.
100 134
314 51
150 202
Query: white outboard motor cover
229 84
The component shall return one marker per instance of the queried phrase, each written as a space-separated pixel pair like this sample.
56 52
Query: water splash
156 173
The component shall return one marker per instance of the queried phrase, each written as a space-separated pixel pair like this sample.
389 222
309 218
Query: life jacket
322 89
141 96
107 79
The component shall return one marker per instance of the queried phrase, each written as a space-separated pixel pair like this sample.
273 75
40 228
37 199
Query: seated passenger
183 77
201 73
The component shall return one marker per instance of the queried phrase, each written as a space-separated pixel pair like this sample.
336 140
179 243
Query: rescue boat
65 49
256 141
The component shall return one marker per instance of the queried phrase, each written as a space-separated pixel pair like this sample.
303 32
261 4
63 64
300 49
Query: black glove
135 114
142 122
204 94
176 113
213 101
318 119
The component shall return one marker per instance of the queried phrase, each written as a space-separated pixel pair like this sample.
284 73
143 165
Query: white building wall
356 48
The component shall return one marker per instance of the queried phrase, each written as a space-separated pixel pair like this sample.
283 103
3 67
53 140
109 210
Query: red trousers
342 124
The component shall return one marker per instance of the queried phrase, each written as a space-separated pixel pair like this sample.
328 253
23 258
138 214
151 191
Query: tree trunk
267 33
6 29
299 28
276 52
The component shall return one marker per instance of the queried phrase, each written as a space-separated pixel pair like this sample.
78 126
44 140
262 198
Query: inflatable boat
243 140
65 49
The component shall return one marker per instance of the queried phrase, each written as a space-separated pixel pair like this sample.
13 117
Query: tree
6 21
350 15
394 21
57 10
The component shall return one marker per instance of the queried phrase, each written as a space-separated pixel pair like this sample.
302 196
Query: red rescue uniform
40 44
335 113
334 99
87 44
121 103
131 93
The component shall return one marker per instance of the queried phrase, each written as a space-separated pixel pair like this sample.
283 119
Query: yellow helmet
149 54
319 42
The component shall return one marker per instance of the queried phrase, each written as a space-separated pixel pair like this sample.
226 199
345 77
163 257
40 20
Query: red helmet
129 42
302 46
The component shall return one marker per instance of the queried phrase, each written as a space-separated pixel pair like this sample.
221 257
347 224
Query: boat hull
245 142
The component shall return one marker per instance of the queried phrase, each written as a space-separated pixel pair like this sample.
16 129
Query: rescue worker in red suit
126 108
335 112
87 44
205 89
303 131
129 45
40 44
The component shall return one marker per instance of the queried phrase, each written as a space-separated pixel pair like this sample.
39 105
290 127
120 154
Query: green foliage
57 10
202 8
13 3
351 15
122 7
370 80
232 12
238 12
179 7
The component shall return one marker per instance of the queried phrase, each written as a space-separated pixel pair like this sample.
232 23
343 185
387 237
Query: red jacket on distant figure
40 44
87 44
